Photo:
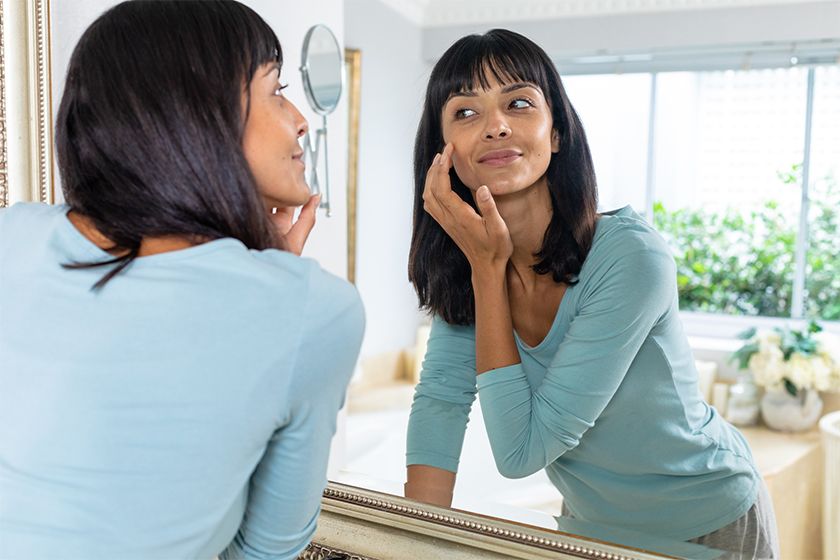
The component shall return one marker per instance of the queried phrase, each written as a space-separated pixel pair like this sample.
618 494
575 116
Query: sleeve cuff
499 375
433 460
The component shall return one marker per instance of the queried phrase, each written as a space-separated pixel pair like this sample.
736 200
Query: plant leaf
790 387
743 355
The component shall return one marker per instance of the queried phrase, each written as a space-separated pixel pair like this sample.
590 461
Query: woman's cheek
464 174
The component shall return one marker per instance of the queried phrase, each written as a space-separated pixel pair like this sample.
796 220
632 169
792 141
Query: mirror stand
312 152
321 67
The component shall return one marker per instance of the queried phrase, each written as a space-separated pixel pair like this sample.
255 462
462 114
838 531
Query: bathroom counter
792 468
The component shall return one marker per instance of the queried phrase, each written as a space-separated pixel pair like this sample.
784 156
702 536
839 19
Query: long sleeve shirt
185 410
607 403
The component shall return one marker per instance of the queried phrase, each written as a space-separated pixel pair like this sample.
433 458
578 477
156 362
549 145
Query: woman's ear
555 141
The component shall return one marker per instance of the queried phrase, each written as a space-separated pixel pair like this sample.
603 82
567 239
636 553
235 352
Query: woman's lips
499 158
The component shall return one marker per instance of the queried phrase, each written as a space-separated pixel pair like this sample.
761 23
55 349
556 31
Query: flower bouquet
793 366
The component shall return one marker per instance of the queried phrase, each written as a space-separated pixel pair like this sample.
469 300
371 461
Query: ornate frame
26 169
363 524
40 80
4 155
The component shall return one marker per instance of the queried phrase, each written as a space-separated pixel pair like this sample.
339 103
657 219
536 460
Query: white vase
784 412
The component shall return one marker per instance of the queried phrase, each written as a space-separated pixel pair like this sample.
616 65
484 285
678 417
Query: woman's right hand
483 238
295 233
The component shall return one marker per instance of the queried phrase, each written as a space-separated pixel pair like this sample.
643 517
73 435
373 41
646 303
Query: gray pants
753 535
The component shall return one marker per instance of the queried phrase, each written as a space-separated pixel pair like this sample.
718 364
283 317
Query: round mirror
322 67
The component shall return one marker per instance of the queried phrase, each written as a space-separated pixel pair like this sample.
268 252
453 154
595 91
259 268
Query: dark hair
149 131
438 269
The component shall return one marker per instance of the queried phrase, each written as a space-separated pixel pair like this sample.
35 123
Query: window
721 177
822 273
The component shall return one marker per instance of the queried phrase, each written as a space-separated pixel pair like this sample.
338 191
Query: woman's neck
148 246
527 214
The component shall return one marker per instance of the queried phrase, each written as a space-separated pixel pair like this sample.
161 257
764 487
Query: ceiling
439 13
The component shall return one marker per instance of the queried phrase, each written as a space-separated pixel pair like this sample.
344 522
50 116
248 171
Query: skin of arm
430 485
485 241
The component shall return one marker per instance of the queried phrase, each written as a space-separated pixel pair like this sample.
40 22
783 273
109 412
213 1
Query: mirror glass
322 69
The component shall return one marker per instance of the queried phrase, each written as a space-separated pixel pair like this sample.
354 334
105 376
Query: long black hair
438 269
149 130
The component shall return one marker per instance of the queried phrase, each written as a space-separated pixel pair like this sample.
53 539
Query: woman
171 368
564 322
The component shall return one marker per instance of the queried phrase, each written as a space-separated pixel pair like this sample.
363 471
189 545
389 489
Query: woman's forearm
430 485
495 346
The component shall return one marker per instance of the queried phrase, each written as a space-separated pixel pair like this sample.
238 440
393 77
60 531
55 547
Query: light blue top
607 403
183 411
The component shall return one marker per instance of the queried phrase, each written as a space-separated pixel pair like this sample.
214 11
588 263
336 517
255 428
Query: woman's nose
497 128
301 125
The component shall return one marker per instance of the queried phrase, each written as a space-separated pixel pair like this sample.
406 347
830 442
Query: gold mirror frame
353 72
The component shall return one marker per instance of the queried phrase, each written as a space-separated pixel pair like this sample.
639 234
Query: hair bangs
480 59
248 34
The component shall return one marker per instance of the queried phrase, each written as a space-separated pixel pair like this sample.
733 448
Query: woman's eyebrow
463 94
519 85
507 89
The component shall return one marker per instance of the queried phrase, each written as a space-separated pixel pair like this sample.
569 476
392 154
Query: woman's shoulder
324 292
25 224
624 232
321 282
30 214
628 250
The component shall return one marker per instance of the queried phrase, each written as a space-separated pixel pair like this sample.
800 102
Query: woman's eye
521 103
279 90
464 113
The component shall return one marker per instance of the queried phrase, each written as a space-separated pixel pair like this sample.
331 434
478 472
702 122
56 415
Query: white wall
393 83
290 21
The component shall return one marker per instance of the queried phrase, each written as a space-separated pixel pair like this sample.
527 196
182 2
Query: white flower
800 371
820 371
767 369
769 342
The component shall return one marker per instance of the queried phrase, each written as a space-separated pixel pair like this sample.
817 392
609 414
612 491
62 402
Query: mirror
321 66
322 70
645 105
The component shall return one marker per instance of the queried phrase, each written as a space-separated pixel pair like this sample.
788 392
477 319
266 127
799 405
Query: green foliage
744 353
741 262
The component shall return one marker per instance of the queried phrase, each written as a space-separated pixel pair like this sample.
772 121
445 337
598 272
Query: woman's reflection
563 320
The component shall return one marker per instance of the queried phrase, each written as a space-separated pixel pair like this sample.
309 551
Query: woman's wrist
489 273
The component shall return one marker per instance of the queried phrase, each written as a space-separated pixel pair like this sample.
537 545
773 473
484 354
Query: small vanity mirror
322 65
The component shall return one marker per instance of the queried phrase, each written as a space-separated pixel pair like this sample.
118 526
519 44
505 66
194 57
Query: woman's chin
298 197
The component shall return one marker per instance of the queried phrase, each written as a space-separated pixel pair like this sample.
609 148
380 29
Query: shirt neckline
600 227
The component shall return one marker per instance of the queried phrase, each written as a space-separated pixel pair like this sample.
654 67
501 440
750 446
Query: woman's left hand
295 233
484 239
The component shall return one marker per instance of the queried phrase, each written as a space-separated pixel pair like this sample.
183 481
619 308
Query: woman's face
503 136
270 140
